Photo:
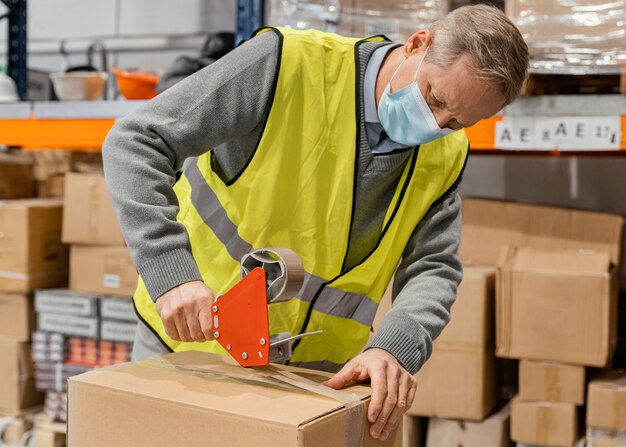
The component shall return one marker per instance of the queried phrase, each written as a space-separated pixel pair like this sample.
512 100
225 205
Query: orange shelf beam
89 134
70 134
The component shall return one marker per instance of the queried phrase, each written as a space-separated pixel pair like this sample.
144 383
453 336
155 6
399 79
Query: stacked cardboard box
17 180
51 166
606 410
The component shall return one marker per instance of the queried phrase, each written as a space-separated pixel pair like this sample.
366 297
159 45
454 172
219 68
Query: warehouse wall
132 19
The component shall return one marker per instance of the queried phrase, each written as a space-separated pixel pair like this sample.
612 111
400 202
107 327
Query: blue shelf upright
250 16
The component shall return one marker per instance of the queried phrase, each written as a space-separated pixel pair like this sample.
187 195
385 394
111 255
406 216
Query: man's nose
443 117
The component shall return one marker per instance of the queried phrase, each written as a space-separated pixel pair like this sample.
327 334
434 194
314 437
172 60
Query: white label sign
579 133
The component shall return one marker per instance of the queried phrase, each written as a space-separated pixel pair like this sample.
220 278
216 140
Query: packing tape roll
285 273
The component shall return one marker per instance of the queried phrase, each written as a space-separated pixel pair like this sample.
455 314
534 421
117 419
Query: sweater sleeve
424 287
143 151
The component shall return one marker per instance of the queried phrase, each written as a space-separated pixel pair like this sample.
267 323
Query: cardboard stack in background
93 323
76 333
556 304
31 256
99 260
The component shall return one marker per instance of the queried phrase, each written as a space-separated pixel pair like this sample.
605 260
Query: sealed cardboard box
17 316
551 381
490 225
606 402
558 305
193 398
17 387
88 216
100 269
492 432
544 423
31 253
17 180
458 381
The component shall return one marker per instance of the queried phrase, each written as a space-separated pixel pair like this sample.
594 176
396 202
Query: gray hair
495 46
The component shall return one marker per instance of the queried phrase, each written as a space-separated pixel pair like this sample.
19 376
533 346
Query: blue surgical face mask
405 115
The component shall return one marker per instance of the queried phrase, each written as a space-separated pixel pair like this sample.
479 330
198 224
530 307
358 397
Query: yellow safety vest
297 192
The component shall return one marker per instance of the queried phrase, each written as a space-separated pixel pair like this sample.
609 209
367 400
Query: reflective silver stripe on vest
323 365
331 301
210 209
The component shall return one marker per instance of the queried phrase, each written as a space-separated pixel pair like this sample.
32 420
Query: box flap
490 224
563 261
216 383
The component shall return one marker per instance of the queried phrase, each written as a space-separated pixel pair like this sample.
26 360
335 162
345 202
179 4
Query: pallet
49 433
563 84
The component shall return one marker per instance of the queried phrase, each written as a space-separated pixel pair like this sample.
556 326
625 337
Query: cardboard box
606 402
69 324
558 305
544 423
552 382
118 330
66 302
492 432
17 387
31 253
88 216
16 178
117 308
187 398
17 316
458 381
490 225
105 270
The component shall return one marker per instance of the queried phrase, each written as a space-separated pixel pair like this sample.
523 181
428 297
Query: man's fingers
343 377
193 323
378 375
170 328
393 378
206 324
181 327
401 406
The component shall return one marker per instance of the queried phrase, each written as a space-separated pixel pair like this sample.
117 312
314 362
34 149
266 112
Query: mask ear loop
420 64
395 73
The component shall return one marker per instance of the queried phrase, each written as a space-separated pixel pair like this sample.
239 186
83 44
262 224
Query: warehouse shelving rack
84 125
17 51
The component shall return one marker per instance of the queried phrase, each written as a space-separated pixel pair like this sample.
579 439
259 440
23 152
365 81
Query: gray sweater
223 108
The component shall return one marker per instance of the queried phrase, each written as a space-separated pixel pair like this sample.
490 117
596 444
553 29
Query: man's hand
186 312
393 388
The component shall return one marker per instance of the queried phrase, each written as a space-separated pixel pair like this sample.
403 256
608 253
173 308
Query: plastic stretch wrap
572 36
397 19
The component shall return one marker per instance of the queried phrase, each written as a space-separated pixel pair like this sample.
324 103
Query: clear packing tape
271 376
572 36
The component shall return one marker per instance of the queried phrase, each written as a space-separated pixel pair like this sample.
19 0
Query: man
342 150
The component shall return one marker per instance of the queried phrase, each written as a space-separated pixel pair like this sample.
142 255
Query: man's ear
418 42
